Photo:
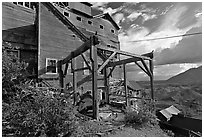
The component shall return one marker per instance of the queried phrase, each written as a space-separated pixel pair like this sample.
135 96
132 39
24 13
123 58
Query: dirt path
131 131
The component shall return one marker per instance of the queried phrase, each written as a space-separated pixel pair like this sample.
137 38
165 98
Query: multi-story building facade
41 39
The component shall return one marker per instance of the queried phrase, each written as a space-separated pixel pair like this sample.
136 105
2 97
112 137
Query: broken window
51 66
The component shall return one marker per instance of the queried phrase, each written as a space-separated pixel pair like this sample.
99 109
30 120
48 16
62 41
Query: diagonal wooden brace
106 62
142 68
147 69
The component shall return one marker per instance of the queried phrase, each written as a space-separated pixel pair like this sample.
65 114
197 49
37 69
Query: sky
149 20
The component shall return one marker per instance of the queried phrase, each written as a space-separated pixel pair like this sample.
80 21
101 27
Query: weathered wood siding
19 30
56 41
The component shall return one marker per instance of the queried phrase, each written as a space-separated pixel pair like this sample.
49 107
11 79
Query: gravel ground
132 131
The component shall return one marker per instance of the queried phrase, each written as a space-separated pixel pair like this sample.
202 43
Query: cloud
119 17
134 16
189 50
98 4
161 72
147 17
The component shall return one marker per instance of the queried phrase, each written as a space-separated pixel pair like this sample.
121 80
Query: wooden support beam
85 46
80 69
102 56
86 61
93 56
124 61
106 84
61 76
147 69
122 52
111 71
66 68
142 68
125 84
106 62
73 66
151 78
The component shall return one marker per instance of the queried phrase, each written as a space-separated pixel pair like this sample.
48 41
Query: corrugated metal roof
168 112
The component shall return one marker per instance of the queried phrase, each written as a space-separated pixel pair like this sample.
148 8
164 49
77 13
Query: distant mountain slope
193 75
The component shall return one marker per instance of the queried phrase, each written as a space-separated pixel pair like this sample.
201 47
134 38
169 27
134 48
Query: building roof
109 18
168 112
134 85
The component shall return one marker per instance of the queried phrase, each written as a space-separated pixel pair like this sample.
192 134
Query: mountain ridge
193 75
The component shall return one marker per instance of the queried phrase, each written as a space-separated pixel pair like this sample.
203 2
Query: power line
168 37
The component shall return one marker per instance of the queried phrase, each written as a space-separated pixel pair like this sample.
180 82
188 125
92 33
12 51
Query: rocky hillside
193 75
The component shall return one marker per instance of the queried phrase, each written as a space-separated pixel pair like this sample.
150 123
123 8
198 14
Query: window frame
46 65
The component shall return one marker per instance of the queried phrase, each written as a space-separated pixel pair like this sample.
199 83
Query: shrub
35 114
28 111
144 115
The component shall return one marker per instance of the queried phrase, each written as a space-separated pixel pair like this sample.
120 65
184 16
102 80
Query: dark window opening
90 22
65 4
112 30
101 27
27 4
51 65
66 14
15 3
32 5
20 3
78 18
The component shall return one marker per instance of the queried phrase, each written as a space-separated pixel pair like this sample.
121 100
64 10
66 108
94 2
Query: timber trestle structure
93 45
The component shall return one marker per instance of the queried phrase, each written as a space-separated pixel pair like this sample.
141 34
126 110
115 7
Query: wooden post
151 78
125 84
61 76
106 84
93 56
73 66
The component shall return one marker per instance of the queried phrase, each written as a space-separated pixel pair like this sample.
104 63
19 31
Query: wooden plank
122 52
125 84
93 56
106 62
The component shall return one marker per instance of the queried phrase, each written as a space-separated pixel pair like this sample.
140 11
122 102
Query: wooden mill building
64 44
42 37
